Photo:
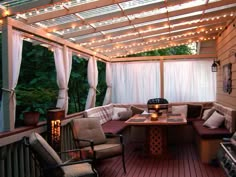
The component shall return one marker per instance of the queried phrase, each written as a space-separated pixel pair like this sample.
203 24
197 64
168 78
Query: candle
154 117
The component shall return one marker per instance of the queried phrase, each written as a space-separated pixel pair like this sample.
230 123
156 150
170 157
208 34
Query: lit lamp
54 117
154 117
214 66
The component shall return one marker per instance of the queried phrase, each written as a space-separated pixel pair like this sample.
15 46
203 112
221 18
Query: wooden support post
8 115
161 78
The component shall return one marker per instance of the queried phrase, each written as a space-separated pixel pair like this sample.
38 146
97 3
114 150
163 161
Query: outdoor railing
16 160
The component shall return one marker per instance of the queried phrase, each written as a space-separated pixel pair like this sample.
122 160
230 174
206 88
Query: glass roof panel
148 13
151 22
186 15
118 29
110 22
137 3
186 5
60 20
88 36
99 11
220 8
73 3
12 3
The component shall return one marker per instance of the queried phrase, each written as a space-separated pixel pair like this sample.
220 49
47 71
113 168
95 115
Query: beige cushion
88 128
78 170
207 113
182 109
125 115
45 153
214 121
107 150
136 110
116 110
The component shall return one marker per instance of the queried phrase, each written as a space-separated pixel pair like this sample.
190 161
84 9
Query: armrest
112 135
226 139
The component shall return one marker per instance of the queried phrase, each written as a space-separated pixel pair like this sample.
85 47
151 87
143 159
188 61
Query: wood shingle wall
226 50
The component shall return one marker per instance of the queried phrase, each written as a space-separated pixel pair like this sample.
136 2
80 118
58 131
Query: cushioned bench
207 133
207 139
105 114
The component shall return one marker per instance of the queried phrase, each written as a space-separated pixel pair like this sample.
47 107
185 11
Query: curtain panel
92 74
107 98
63 65
17 44
135 82
189 81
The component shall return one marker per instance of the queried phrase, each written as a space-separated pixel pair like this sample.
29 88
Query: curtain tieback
12 91
94 89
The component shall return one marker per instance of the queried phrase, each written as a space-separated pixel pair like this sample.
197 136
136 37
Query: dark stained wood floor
178 161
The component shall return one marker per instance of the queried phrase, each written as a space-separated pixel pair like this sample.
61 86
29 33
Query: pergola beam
72 10
138 49
116 15
30 5
150 34
146 19
172 57
160 31
43 34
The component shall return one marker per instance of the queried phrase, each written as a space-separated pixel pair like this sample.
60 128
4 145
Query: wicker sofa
207 140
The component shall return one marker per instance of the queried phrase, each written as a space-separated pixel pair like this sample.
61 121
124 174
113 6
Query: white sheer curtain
17 44
92 73
63 67
135 82
189 81
107 98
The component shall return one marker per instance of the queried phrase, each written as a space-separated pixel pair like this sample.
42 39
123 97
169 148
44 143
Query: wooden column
8 115
161 78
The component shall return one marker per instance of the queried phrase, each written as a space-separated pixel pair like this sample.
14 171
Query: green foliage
78 85
36 99
101 87
37 88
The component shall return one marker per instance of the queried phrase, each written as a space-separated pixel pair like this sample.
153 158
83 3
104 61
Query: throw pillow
136 110
116 110
182 109
207 113
125 115
214 121
194 111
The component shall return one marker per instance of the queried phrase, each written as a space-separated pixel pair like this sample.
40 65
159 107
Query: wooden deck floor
179 161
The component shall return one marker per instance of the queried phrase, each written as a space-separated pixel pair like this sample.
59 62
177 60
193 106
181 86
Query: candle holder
54 117
154 117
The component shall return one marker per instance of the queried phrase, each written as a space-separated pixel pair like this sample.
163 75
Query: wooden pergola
109 29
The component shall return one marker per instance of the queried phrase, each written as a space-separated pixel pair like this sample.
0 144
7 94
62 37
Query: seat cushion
78 170
107 150
46 153
207 133
88 128
114 126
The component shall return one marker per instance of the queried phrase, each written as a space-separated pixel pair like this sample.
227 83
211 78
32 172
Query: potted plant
34 103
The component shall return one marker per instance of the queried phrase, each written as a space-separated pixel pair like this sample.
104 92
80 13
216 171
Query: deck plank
178 161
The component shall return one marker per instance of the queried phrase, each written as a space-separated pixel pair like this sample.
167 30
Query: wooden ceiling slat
120 14
115 34
30 5
157 17
72 10
153 46
159 43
